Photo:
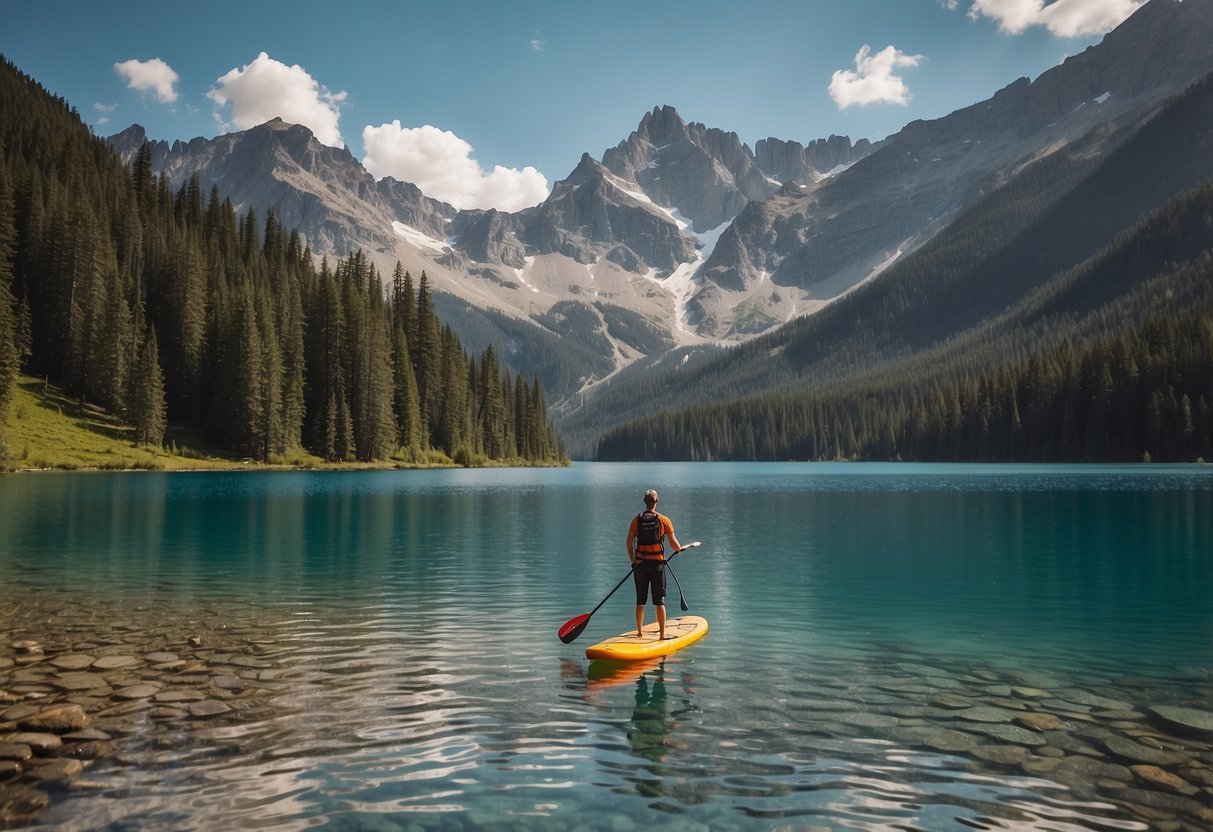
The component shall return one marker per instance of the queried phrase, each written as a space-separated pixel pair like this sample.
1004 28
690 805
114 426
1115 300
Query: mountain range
681 240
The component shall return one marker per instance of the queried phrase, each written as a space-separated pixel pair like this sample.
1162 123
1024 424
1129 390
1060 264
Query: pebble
983 713
1155 776
1005 755
137 692
232 683
39 743
208 708
59 720
1187 720
1126 749
1040 722
115 662
81 681
73 661
87 734
179 695
17 751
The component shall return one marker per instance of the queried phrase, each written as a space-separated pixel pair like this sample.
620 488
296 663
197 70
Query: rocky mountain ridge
681 229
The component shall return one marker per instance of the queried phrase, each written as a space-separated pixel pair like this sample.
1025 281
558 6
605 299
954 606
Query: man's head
650 498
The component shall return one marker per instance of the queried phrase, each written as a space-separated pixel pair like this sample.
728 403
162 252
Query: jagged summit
705 174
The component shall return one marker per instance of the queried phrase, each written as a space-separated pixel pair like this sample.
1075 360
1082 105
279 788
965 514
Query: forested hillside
165 305
1034 327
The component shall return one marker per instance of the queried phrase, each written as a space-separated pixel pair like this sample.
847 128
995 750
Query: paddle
575 626
682 599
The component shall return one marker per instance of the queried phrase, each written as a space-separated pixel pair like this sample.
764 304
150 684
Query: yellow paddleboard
628 647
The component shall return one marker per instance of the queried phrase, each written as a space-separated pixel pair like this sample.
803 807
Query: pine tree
451 434
272 432
490 409
147 407
408 413
427 357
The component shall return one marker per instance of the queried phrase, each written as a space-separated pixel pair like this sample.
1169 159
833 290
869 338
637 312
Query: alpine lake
892 647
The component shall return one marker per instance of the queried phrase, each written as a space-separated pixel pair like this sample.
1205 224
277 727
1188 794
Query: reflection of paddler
648 735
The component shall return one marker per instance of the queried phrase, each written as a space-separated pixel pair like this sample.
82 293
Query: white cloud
104 110
538 45
873 80
441 165
154 76
1063 18
267 88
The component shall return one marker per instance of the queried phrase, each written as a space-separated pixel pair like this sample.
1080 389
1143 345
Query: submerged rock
1155 776
1125 749
1187 720
1005 755
60 719
1040 722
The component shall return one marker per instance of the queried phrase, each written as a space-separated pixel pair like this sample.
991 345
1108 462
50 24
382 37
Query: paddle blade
573 627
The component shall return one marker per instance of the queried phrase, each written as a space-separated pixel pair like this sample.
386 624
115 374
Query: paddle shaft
682 599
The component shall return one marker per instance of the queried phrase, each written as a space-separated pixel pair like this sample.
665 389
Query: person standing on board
646 551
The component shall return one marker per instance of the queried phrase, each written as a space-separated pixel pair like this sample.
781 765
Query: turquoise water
403 669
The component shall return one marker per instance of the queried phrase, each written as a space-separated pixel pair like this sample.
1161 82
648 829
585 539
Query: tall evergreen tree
147 409
427 356
405 402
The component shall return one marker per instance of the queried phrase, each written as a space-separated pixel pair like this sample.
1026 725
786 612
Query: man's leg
661 620
640 620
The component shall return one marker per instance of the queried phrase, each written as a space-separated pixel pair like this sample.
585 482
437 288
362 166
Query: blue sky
489 103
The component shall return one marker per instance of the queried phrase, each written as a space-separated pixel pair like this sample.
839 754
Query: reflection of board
628 647
608 673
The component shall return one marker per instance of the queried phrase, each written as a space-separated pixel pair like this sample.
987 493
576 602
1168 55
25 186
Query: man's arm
632 541
673 539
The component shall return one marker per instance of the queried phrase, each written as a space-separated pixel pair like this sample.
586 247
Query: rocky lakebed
83 700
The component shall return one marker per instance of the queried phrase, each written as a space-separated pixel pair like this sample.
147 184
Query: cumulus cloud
154 76
267 88
441 165
538 45
1063 18
873 80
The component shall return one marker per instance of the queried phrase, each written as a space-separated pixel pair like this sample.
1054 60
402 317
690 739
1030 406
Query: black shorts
649 574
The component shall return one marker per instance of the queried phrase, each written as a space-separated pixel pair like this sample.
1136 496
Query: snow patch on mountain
418 238
521 274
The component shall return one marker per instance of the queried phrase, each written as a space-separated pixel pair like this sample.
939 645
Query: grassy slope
46 429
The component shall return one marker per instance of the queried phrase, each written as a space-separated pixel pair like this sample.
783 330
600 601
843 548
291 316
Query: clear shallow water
396 634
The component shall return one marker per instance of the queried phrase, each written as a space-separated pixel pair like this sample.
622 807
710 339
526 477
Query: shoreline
46 431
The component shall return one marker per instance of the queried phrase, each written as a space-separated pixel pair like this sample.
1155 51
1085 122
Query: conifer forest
167 306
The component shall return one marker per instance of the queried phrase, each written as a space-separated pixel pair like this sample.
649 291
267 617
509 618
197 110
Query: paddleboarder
646 551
